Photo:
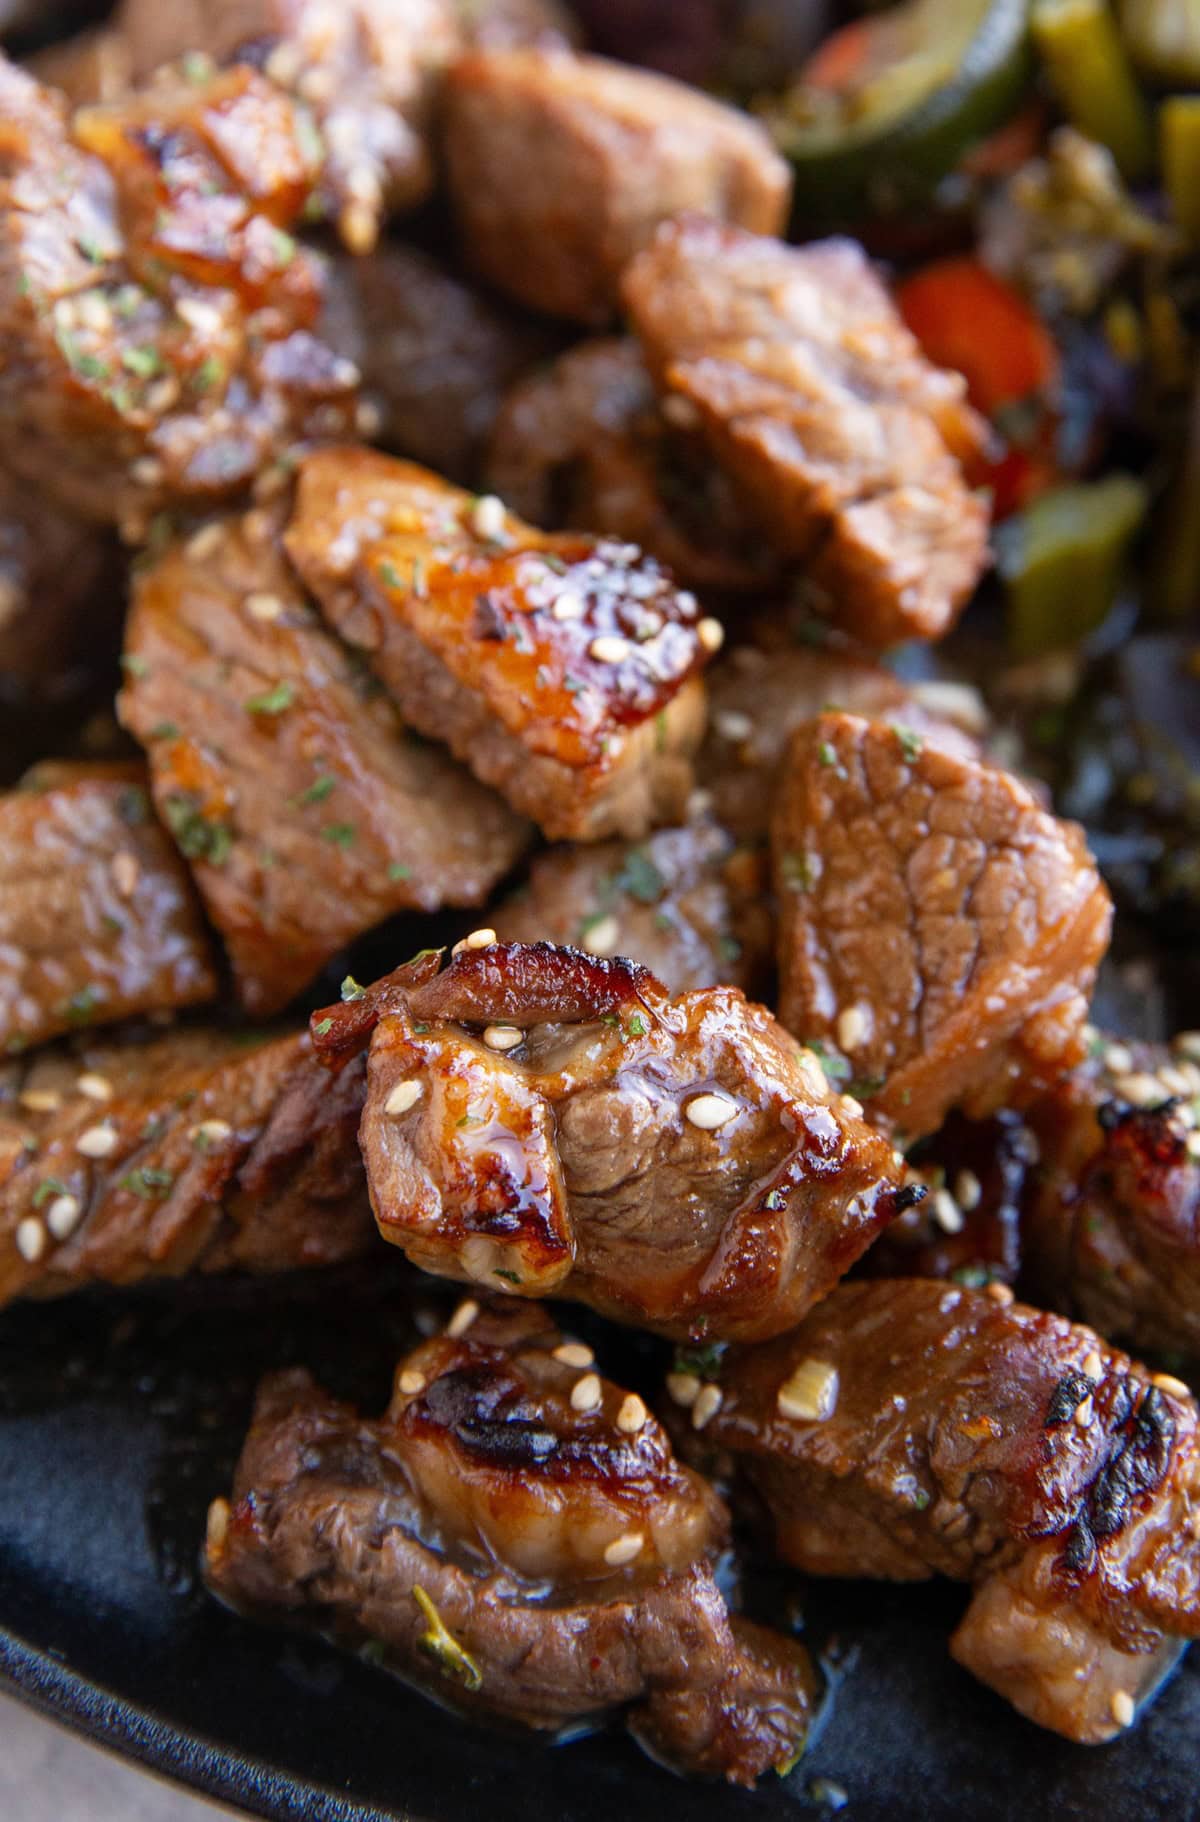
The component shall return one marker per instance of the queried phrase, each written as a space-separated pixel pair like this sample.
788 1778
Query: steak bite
561 167
1111 1223
98 920
197 1152
516 1535
563 669
61 597
368 69
584 443
305 810
157 341
908 1429
843 441
937 926
686 902
548 1123
758 698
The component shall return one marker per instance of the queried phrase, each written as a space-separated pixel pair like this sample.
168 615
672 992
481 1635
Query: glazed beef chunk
561 167
157 318
686 902
516 1535
201 1151
368 70
98 920
60 597
1111 1225
305 810
758 698
812 396
563 669
584 443
937 927
543 1122
908 1428
436 356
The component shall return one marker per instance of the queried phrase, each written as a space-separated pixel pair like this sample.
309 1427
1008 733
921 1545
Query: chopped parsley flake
273 701
398 871
164 730
50 1186
319 789
147 1181
637 1026
323 1027
798 872
341 834
911 743
351 990
640 878
196 836
389 575
133 665
145 361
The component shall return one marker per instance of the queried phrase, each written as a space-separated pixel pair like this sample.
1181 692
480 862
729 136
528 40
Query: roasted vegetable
1062 560
1093 79
1163 37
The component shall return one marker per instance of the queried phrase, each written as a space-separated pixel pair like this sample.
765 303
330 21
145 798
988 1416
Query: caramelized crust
562 669
202 1151
517 1536
305 810
98 920
937 926
809 392
544 1122
961 1434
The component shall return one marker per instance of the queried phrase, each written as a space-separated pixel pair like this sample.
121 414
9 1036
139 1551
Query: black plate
119 1420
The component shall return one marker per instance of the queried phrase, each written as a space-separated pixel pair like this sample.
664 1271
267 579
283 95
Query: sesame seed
815 1079
810 1393
462 1319
40 1100
574 1354
358 227
1122 1707
680 411
161 396
852 1107
488 518
1192 1145
852 1027
1140 1088
264 607
125 873
502 1037
622 1550
586 1393
216 1528
709 1112
946 1212
632 1415
62 1216
684 1388
731 724
1117 1059
97 1142
411 1382
204 318
568 606
204 543
968 1190
1093 1365
403 1096
211 1132
95 1087
1174 1080
708 1402
1167 1382
602 937
147 471
710 633
699 804
999 1293
478 939
31 1239
256 525
609 648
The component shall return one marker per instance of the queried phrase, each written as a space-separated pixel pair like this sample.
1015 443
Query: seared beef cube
584 443
908 1429
561 167
98 919
368 69
203 1151
968 1228
810 393
686 902
544 1122
937 927
1111 1226
515 1536
757 700
436 356
562 669
61 597
156 342
306 811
